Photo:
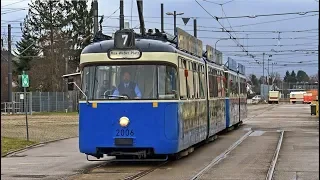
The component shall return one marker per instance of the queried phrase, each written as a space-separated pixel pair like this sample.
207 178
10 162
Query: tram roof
144 45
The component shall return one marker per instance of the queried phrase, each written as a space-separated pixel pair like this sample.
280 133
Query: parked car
257 99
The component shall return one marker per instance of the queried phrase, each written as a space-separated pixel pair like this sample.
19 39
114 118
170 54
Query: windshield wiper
118 96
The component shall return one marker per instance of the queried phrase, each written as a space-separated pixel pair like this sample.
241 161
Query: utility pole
9 65
318 69
195 27
268 78
95 16
141 18
51 46
162 18
175 22
121 16
263 75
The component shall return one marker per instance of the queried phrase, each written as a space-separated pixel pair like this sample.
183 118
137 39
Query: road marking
257 133
27 163
247 129
221 156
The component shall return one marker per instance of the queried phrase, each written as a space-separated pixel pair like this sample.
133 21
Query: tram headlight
124 121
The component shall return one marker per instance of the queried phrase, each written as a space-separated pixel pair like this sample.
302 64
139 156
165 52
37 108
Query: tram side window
190 81
87 81
183 79
241 90
215 83
167 82
244 88
211 83
219 85
236 86
226 85
196 80
201 81
222 85
232 85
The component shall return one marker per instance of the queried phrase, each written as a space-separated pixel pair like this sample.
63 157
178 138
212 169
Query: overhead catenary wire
279 20
227 32
264 15
13 3
242 16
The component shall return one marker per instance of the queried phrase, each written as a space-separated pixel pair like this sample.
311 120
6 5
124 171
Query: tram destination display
189 43
124 54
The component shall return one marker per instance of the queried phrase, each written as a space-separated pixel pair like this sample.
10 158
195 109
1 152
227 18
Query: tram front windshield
123 82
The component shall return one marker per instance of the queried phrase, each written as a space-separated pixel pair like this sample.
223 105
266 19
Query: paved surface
50 161
298 156
250 160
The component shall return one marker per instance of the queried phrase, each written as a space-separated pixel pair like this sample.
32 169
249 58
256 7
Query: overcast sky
256 44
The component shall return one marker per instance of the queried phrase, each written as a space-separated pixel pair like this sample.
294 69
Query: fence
42 102
42 127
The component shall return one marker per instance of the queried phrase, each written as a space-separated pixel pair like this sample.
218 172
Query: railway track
259 109
145 172
120 170
275 158
223 155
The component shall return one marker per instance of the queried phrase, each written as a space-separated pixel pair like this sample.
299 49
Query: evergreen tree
302 76
287 77
82 27
293 77
26 52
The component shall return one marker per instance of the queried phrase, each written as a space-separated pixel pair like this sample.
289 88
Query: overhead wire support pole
195 27
263 75
53 69
95 16
268 77
141 18
9 65
162 18
175 22
121 16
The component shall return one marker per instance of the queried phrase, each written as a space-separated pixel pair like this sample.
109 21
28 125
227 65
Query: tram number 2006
124 132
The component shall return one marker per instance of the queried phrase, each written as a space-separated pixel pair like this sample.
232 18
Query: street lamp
174 14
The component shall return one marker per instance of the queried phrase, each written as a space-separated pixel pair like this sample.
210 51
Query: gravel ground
41 127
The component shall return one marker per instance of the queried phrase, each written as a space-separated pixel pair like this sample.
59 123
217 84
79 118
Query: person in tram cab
128 87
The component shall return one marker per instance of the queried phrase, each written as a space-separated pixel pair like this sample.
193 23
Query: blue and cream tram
144 96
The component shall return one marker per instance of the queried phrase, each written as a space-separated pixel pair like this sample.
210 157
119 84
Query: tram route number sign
124 39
